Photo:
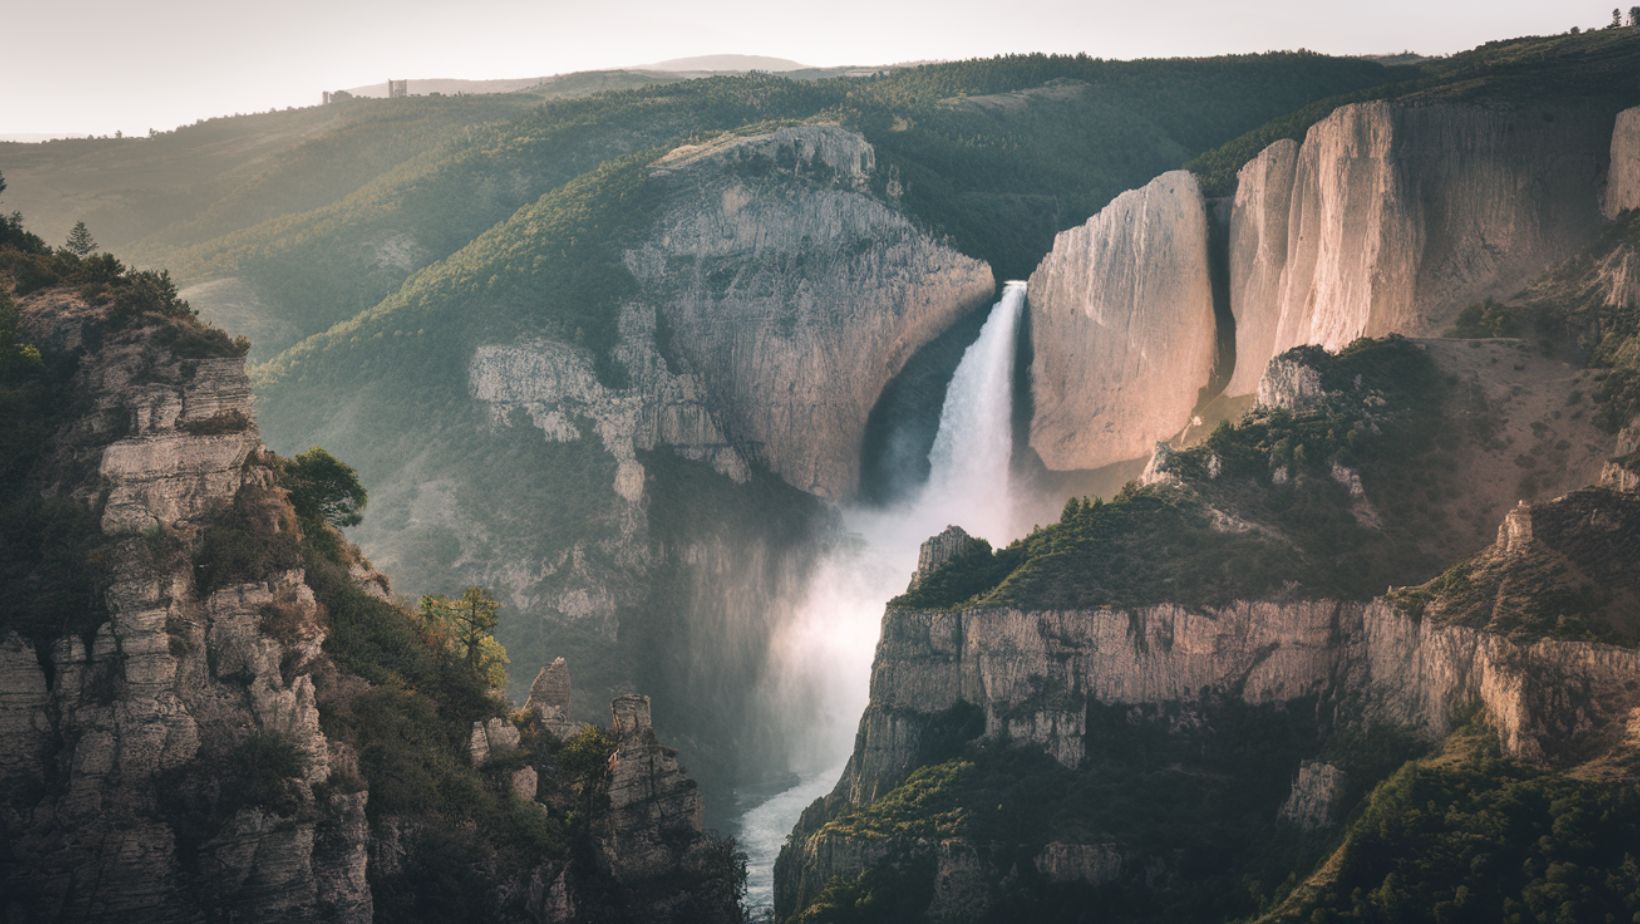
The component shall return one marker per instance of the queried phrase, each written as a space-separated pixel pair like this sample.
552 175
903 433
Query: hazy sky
79 66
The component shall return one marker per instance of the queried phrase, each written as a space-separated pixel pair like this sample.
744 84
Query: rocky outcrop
1314 801
1392 217
793 293
107 735
654 831
1122 327
491 737
1622 472
1623 176
1037 678
777 293
557 387
1291 384
162 755
550 699
937 550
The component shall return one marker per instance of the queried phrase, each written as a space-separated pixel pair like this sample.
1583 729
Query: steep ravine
667 479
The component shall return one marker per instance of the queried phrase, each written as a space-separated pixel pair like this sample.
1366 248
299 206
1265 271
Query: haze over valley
1140 476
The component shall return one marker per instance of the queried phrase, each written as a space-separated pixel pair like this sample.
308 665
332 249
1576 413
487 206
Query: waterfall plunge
821 659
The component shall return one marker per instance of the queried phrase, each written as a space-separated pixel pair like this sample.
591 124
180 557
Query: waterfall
820 661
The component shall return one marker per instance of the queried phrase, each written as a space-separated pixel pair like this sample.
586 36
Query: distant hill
728 63
450 86
600 80
552 86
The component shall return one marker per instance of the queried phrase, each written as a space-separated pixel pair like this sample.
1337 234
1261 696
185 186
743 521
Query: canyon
689 377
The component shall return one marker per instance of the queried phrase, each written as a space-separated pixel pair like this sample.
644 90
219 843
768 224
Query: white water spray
822 657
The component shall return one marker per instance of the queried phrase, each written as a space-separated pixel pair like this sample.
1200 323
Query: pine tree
1634 21
79 241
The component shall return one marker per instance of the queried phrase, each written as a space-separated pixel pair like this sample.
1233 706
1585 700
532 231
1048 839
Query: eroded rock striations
794 293
161 748
1623 179
173 678
1037 679
1122 327
1391 217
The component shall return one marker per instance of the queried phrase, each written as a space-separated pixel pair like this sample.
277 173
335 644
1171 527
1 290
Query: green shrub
259 772
1471 836
324 488
234 550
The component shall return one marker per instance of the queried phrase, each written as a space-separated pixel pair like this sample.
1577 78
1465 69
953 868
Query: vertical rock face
654 829
1259 219
1122 327
793 293
1039 679
103 733
1623 177
1390 218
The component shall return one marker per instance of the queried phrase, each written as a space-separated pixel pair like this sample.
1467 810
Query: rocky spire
550 699
940 549
1515 533
655 808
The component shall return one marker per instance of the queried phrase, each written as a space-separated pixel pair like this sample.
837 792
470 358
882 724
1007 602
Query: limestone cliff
183 736
793 293
1122 327
1391 217
1040 680
176 680
1623 178
775 296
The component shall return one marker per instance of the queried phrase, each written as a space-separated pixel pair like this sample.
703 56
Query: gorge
822 657
1261 552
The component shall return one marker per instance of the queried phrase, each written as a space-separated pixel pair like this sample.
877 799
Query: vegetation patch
1468 835
1566 583
1262 509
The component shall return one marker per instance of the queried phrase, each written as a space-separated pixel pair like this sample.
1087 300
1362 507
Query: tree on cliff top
79 242
323 487
470 620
